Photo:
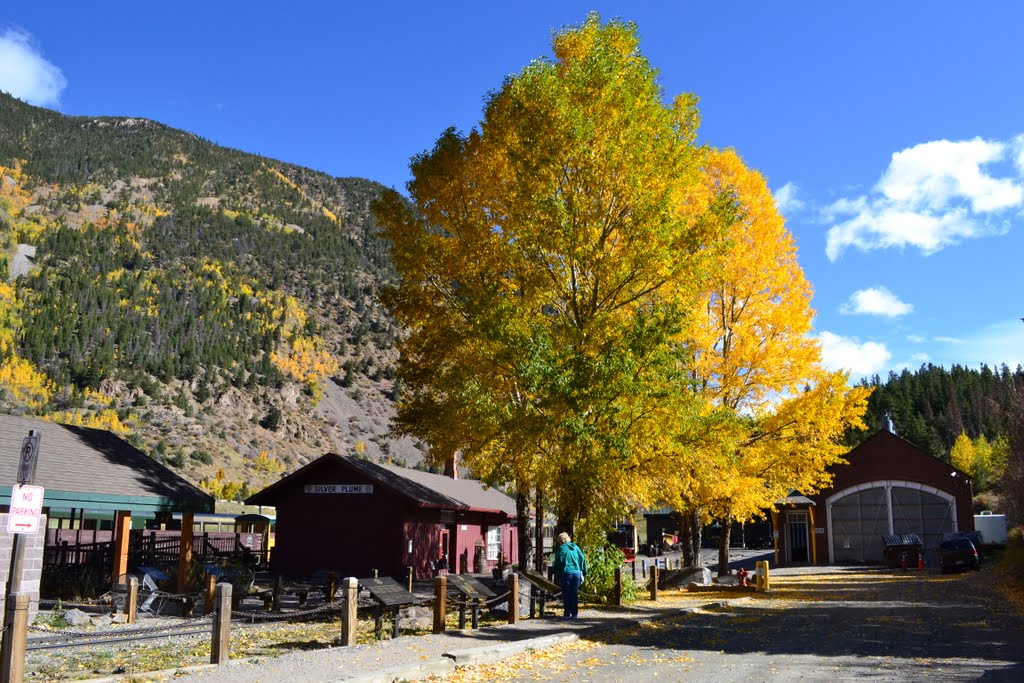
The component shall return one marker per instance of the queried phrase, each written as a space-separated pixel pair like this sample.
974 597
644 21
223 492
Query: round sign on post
26 509
27 461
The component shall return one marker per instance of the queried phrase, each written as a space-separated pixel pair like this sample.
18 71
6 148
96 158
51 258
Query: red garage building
351 516
889 487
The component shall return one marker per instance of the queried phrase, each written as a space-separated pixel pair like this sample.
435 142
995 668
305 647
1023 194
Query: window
493 542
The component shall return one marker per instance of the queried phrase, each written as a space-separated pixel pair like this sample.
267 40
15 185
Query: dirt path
842 625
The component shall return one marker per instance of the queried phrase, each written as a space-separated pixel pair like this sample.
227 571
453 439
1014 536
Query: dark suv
958 553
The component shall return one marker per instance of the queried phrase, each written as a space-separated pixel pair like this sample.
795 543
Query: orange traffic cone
920 562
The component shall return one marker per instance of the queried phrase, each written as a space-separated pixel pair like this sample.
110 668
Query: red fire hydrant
741 574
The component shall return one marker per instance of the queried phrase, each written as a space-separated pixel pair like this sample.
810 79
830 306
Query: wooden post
440 603
539 530
122 530
408 578
643 568
131 599
12 656
654 583
185 551
349 619
462 615
211 583
373 573
767 577
330 587
275 605
775 534
513 598
220 647
814 536
617 593
632 568
475 608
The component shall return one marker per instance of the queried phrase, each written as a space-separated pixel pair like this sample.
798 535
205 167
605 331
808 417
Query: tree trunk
538 555
696 534
523 530
723 548
686 538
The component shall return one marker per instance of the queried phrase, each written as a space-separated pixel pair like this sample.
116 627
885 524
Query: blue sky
892 133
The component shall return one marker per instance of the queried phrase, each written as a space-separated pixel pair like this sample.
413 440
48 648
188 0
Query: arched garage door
859 516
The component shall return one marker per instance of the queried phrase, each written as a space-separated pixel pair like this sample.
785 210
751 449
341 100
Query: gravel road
815 624
843 625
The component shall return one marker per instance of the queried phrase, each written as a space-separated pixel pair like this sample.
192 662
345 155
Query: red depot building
889 487
351 516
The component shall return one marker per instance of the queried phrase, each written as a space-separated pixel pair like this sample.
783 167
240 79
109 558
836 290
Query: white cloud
993 345
932 196
24 72
786 200
845 353
998 343
916 339
875 301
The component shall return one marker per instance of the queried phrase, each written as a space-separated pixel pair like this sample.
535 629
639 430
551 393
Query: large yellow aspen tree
757 365
549 273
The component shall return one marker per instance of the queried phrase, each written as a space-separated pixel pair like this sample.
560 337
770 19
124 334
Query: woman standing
570 568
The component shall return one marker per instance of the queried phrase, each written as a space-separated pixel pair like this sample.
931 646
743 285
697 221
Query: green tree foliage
549 277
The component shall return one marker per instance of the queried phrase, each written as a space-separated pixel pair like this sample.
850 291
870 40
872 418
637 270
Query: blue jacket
570 559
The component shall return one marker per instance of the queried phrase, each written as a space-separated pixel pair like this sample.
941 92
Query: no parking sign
26 509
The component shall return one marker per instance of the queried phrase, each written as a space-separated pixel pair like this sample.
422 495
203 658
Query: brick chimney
451 466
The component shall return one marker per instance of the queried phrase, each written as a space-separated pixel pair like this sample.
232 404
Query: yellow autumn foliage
107 419
303 359
782 415
264 463
24 383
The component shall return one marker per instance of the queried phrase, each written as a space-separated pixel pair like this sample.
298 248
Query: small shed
351 515
902 551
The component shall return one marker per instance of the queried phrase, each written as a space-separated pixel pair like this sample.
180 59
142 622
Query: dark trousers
571 593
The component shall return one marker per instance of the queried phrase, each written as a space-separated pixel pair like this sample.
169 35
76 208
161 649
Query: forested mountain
932 406
970 418
218 307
